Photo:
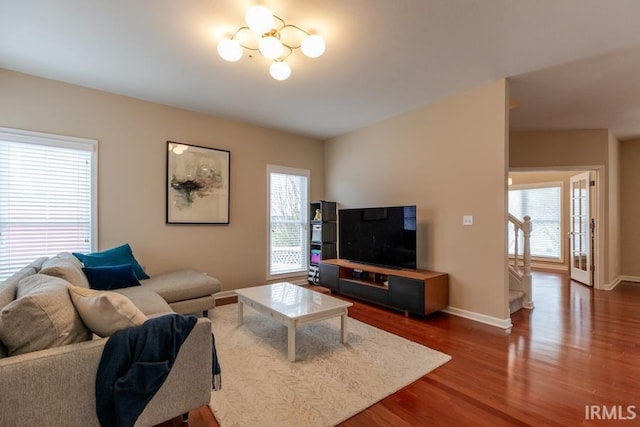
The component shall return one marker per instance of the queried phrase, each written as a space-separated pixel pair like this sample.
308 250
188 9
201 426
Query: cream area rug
329 381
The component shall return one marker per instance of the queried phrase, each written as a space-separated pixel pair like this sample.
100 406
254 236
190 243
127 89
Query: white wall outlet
467 220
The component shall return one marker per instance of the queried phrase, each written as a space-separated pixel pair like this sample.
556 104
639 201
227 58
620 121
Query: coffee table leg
291 342
240 313
343 328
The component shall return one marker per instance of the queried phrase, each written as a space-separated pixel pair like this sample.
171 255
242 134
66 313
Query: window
543 203
288 218
47 196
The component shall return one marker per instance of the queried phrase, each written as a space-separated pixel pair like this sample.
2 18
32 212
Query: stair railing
521 276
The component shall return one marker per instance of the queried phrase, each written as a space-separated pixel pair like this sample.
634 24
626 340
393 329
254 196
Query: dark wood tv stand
412 291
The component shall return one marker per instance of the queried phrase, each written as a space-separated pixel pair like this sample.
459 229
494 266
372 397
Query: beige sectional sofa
49 359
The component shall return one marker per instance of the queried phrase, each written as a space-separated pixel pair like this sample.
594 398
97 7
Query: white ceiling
383 57
597 92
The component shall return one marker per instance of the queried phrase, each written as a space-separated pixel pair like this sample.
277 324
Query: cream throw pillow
105 312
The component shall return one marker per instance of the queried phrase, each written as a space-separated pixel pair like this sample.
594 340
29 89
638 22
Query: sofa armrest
53 387
56 387
188 385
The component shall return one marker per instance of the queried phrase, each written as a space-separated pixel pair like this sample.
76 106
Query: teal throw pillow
114 256
111 277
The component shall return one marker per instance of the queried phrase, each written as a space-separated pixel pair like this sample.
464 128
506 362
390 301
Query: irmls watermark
612 412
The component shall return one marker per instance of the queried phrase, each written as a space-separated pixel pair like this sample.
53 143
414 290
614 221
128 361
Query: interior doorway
581 207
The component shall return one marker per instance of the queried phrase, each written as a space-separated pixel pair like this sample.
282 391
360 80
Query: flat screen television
384 236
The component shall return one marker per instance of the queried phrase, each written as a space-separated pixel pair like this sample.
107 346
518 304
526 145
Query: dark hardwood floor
575 352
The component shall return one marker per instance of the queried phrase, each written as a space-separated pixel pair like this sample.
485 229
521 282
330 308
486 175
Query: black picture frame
197 184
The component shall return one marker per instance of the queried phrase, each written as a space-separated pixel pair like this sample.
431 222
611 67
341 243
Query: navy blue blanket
134 365
216 383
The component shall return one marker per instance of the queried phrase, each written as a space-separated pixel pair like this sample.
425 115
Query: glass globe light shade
280 70
259 19
270 47
230 50
313 46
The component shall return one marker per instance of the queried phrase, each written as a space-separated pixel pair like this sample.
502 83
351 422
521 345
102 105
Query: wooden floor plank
578 347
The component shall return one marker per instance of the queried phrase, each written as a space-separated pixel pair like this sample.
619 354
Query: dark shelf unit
418 292
323 236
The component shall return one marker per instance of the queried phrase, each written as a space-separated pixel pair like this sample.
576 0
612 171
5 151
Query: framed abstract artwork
197 184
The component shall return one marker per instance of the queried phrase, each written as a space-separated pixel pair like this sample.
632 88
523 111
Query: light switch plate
467 220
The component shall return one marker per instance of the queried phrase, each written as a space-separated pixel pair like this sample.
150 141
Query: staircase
516 300
520 266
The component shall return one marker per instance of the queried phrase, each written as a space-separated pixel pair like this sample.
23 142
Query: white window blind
47 191
543 203
288 219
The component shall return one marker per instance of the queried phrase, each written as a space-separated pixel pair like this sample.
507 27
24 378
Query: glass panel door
580 230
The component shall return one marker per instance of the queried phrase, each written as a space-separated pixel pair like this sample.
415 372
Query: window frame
271 169
541 185
70 142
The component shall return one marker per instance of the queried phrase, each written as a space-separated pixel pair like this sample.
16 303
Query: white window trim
550 184
53 140
289 171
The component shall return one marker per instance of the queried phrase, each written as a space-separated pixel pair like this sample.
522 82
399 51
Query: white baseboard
560 267
610 286
482 318
616 282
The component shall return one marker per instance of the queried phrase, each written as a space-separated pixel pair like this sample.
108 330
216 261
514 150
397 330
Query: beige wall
583 149
630 207
558 148
132 137
449 159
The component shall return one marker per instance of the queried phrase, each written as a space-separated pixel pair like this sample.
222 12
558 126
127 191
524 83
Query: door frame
597 171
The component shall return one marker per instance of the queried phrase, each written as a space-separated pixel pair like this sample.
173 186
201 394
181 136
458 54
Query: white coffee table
293 306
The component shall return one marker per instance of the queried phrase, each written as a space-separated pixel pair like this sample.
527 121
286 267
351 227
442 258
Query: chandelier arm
290 46
238 31
283 57
296 27
284 24
254 49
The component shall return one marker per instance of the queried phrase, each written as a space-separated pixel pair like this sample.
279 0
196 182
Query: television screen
383 236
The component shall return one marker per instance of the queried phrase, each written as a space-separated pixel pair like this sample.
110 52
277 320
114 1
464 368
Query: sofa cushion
62 257
182 285
8 290
67 267
37 264
9 287
41 317
114 256
105 312
146 300
111 277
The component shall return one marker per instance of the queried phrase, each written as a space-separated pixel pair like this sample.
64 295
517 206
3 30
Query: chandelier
273 38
